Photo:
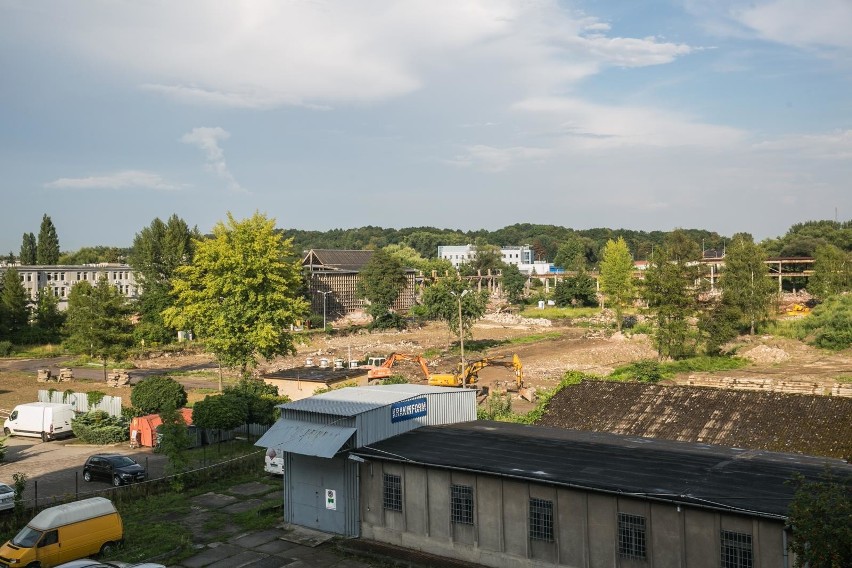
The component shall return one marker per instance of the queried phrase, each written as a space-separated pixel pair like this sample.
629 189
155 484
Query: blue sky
467 114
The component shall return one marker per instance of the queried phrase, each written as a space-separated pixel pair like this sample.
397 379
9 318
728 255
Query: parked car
7 497
117 468
86 563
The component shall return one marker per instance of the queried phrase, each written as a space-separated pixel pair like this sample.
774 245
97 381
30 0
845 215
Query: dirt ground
558 348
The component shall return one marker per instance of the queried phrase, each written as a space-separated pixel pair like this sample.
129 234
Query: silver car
7 497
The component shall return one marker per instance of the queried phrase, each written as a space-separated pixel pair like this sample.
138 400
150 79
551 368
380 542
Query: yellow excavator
468 376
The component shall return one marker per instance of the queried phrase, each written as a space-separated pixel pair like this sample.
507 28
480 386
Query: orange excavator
383 371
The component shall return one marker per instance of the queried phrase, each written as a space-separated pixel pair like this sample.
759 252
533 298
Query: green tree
578 290
441 301
260 398
239 294
48 319
174 439
28 249
158 250
487 257
745 282
47 249
380 282
672 294
98 321
514 283
821 516
220 412
156 393
14 307
616 277
832 272
574 253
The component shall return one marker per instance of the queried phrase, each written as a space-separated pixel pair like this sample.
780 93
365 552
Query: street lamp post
324 301
461 335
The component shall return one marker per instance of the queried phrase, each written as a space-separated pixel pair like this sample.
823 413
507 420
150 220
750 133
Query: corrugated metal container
369 409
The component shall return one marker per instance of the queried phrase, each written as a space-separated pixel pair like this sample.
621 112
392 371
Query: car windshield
27 538
121 461
5 488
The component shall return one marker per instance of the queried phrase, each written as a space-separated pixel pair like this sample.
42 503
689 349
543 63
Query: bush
156 393
829 326
389 320
647 371
98 427
5 348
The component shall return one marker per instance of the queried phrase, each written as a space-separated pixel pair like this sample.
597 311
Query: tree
745 282
832 272
616 277
821 517
156 393
14 306
239 294
98 321
174 439
380 282
158 250
48 319
28 249
579 290
47 249
487 257
441 301
220 412
514 283
672 295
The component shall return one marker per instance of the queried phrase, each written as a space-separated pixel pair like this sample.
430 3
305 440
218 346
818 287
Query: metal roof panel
305 438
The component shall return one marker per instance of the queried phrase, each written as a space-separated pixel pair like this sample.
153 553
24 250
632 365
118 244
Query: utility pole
461 335
324 301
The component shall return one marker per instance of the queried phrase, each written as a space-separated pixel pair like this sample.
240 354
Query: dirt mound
765 354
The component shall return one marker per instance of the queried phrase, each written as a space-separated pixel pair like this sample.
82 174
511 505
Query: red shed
144 428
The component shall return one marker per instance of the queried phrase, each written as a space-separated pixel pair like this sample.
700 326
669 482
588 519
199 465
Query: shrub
98 427
156 393
5 348
647 371
395 380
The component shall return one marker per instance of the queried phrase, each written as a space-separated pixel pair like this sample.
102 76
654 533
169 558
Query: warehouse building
508 495
316 434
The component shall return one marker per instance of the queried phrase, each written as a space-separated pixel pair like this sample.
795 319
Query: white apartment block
59 279
463 254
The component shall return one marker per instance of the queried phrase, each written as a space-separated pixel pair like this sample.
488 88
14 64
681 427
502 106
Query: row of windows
736 548
28 276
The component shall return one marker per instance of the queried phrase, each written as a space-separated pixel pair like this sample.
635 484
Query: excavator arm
384 370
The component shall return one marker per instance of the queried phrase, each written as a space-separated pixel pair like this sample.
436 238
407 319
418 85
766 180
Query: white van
45 420
274 462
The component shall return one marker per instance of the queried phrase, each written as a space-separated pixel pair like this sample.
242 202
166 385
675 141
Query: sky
723 115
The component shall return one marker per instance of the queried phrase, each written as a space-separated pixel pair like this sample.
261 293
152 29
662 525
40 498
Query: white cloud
826 23
832 146
491 159
207 139
119 180
267 53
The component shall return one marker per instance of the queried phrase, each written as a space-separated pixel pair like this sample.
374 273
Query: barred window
736 550
631 536
541 520
461 504
392 492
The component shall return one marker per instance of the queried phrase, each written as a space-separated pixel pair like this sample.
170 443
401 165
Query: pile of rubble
765 354
507 319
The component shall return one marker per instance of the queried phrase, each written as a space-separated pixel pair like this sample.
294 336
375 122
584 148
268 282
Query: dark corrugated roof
332 259
717 477
778 422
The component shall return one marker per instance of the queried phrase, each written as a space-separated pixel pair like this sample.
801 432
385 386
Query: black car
113 467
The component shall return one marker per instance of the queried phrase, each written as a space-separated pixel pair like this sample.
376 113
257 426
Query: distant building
60 278
333 276
521 256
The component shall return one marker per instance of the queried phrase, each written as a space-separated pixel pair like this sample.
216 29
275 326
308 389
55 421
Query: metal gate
319 493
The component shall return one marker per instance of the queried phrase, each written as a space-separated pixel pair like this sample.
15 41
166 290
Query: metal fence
80 400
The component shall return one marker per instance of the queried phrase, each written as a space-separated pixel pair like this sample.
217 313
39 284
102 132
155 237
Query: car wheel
107 548
34 565
6 431
45 437
87 476
116 480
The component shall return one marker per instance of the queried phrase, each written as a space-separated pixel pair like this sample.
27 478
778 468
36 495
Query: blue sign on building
408 409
